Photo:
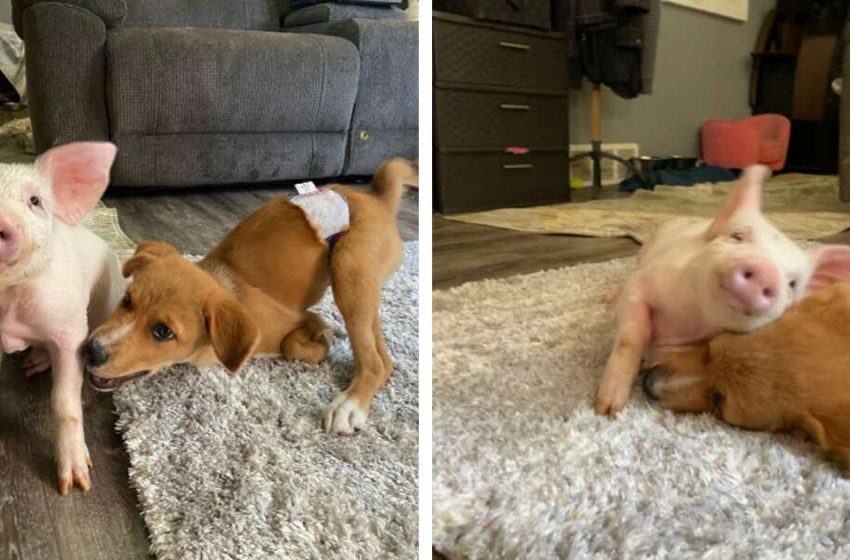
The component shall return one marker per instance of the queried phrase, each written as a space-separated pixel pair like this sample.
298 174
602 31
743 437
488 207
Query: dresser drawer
487 55
469 119
469 181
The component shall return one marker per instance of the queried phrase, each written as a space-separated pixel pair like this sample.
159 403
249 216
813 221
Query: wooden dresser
500 115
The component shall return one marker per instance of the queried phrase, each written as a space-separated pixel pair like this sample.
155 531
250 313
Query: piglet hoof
344 415
74 470
604 408
35 362
611 296
610 401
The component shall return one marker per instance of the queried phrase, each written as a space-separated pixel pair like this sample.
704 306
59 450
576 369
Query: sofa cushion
177 81
260 15
321 13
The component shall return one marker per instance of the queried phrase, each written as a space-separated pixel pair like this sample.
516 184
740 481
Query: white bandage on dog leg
327 211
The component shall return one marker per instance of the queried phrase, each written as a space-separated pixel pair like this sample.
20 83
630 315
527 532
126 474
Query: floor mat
237 466
803 206
103 222
522 468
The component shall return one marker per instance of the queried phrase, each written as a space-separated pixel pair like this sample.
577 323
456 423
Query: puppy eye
792 284
125 301
35 201
161 332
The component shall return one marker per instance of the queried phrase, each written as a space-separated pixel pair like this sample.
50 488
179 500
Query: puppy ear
79 173
146 253
233 332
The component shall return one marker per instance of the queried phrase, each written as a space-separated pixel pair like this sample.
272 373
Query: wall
5 11
702 72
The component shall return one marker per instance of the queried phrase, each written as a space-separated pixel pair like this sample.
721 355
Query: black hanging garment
614 42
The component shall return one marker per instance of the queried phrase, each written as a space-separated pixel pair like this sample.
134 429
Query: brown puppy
794 373
251 293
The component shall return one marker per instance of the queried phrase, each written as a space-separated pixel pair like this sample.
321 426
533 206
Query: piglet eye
792 284
161 332
737 236
35 201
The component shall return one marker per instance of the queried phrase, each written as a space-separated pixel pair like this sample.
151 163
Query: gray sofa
210 92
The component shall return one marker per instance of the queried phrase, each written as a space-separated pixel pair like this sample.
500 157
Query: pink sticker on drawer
516 150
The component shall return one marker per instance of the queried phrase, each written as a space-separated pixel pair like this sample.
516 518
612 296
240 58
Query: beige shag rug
522 468
19 131
238 466
104 222
803 206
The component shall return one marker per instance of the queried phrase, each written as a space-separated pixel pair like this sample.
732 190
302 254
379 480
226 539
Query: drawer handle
517 165
514 107
515 46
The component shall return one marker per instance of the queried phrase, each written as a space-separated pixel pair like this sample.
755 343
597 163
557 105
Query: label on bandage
304 188
327 210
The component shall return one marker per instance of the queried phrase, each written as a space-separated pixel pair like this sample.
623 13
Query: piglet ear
831 264
79 174
746 194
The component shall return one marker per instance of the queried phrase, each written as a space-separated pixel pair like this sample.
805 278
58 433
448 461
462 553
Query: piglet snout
10 240
755 284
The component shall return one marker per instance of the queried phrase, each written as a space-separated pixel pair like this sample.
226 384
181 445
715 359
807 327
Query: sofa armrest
112 12
66 73
385 121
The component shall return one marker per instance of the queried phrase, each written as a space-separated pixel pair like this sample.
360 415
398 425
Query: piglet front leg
633 336
72 455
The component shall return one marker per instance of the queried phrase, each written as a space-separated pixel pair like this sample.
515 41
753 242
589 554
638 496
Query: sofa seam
319 104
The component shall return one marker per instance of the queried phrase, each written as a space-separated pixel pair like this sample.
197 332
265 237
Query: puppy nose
650 377
755 284
95 353
10 240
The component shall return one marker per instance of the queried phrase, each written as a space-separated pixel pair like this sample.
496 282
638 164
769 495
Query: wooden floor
105 524
466 252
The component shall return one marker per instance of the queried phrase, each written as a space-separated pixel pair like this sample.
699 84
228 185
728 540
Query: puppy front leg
72 455
623 364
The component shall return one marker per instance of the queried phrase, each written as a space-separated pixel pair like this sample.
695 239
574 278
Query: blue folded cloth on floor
680 177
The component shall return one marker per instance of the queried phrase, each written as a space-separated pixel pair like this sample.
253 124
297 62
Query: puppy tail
388 183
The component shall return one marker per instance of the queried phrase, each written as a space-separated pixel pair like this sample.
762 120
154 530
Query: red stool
737 144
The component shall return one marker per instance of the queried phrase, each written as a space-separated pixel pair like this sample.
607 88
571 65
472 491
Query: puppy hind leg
381 347
310 342
358 297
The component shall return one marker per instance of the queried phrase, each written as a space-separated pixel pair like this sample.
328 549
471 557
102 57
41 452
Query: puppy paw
344 415
73 462
36 361
324 335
